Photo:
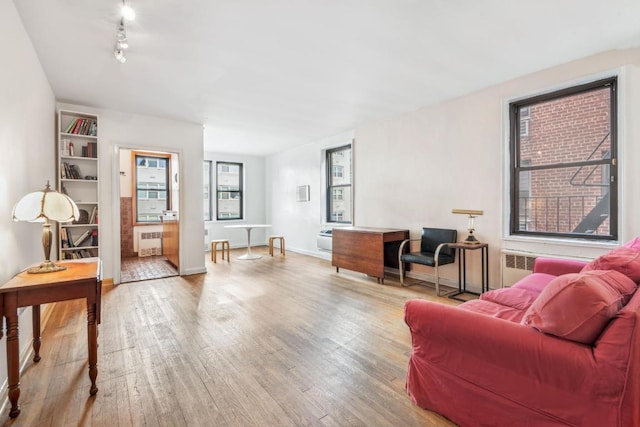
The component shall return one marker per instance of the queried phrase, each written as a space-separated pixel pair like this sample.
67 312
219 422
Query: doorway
149 199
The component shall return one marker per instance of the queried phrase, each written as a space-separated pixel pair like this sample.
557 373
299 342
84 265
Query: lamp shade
46 204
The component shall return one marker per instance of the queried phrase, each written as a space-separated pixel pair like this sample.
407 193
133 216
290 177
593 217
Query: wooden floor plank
279 341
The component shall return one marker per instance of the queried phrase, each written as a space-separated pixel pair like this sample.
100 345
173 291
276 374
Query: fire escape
600 212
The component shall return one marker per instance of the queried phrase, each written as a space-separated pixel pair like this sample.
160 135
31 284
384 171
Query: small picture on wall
302 193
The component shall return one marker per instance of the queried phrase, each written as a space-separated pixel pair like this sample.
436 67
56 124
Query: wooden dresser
366 249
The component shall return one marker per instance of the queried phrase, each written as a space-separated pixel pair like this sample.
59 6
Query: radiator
324 240
516 265
149 243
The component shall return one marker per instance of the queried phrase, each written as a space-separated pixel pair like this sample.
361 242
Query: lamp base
471 240
46 267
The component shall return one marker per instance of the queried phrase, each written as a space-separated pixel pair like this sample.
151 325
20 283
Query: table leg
249 255
37 339
13 352
92 335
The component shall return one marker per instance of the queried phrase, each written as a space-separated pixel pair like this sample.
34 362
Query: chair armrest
468 343
436 255
404 243
557 266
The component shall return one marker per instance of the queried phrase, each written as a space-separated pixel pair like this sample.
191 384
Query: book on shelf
63 237
93 216
80 126
94 238
68 237
64 147
68 171
92 149
83 237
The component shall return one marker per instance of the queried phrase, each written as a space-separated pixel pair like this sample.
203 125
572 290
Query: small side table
462 268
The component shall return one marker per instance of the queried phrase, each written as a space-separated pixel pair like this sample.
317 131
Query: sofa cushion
617 281
518 298
624 260
535 281
492 309
578 306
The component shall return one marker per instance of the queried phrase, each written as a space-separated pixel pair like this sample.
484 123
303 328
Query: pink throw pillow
633 244
576 306
625 260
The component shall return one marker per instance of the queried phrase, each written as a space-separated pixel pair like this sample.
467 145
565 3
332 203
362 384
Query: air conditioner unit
149 243
516 265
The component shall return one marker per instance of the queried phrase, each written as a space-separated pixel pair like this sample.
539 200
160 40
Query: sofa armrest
468 343
557 266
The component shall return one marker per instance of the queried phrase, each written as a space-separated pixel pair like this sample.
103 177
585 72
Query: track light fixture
119 54
122 43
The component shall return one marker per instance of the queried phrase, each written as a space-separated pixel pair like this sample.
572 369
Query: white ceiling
264 76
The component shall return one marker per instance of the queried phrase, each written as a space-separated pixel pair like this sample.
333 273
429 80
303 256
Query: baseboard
191 271
317 254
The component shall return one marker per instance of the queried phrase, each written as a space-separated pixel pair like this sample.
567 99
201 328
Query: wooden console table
81 279
366 249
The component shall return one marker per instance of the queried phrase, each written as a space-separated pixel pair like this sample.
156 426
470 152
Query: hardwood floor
280 341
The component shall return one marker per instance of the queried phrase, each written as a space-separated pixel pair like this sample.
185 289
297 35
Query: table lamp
472 214
43 206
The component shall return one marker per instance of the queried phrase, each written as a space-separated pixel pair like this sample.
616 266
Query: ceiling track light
127 12
122 43
119 55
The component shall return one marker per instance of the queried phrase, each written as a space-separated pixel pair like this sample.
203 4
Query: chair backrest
432 237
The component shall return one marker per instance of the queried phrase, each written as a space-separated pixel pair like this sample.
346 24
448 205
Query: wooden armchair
434 252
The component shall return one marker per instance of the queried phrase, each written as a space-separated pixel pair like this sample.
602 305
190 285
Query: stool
272 239
214 249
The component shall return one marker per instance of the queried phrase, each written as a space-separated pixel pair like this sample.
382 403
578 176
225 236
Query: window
339 191
206 185
229 190
151 186
563 163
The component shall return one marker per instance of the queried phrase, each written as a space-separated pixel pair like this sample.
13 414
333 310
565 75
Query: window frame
218 191
135 190
612 162
329 171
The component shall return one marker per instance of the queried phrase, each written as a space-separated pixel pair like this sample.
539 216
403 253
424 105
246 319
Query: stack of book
82 126
90 150
68 171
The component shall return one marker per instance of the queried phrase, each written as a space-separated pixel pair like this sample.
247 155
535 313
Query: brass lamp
43 206
472 214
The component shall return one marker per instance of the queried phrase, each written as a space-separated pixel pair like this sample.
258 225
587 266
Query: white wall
254 201
300 222
410 171
27 141
132 131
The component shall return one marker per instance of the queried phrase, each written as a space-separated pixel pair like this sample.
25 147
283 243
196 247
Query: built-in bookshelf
78 177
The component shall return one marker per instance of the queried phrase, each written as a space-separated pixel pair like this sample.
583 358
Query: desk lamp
471 239
43 206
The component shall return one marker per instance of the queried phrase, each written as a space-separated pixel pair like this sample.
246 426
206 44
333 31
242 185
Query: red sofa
488 363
